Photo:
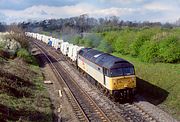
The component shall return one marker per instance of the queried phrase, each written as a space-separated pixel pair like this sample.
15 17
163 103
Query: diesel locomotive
114 75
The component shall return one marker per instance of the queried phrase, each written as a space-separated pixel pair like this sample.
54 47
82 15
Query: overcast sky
133 10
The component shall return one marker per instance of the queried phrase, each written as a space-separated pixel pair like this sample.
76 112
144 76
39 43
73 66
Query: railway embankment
158 83
23 96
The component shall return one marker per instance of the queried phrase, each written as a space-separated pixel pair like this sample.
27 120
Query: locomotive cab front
121 81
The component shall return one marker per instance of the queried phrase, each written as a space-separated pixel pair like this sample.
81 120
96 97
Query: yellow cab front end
122 87
122 82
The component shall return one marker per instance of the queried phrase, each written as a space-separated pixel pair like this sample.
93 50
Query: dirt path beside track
62 110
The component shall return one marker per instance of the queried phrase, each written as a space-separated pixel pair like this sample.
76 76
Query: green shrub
123 42
149 52
162 47
148 44
87 42
24 54
95 39
136 45
91 40
169 49
142 36
75 40
110 37
105 47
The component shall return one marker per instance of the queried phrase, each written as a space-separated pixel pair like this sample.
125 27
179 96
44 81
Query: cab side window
80 52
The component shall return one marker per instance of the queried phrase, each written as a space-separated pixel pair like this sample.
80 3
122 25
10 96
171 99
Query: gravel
154 111
62 110
108 105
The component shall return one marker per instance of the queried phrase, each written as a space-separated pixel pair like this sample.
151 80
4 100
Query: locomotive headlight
119 80
114 80
133 78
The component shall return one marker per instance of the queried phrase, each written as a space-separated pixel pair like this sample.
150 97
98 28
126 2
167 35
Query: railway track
83 105
135 113
130 112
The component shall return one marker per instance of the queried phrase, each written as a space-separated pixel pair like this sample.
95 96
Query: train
114 76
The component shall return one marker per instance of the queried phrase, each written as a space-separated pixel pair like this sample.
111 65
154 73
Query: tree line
153 44
84 24
149 41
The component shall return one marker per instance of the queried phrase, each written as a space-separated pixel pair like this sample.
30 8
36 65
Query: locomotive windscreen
122 71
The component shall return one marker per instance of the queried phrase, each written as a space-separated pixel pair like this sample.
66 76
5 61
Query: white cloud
46 12
168 11
122 1
157 6
148 12
113 11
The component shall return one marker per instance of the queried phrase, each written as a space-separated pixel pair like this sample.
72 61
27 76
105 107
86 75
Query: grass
163 75
23 96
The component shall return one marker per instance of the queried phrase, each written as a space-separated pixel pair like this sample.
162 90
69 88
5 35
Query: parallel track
83 105
131 112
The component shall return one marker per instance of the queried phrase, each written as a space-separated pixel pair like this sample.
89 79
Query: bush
18 35
165 48
110 37
142 36
24 54
136 45
148 44
95 39
75 40
149 52
81 41
123 42
87 42
169 49
91 40
105 47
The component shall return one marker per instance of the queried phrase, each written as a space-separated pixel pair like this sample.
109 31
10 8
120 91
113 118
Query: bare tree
18 34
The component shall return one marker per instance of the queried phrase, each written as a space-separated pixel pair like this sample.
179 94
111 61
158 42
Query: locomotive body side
92 69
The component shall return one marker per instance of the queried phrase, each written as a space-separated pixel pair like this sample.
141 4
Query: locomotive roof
104 59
